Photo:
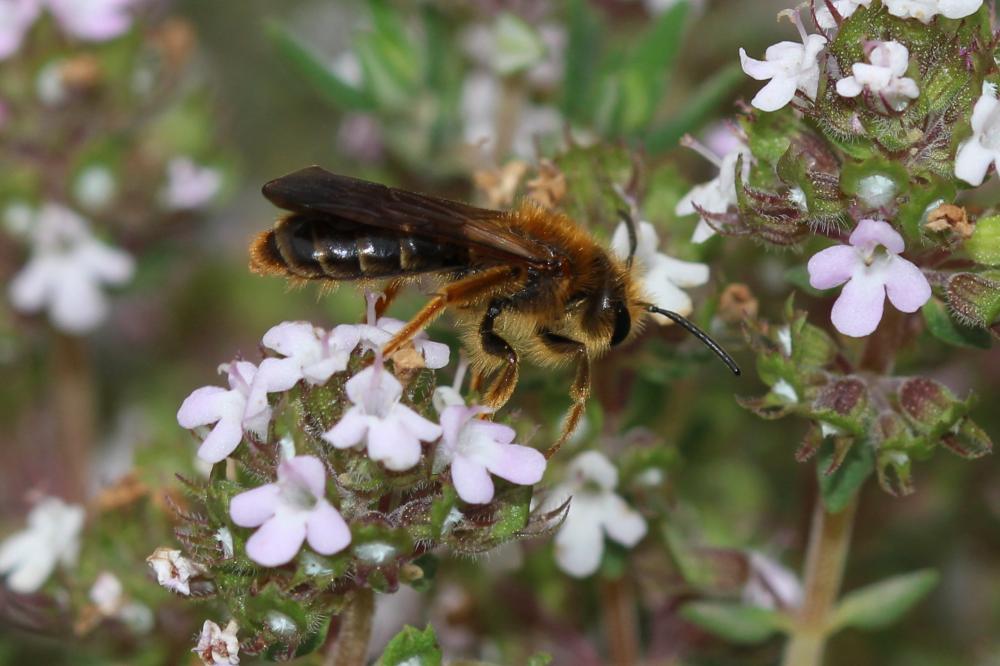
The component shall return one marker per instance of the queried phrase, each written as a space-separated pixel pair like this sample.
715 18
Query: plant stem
826 557
74 407
351 646
620 622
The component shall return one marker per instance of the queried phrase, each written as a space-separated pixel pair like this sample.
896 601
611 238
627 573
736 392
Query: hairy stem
620 622
74 407
351 646
826 558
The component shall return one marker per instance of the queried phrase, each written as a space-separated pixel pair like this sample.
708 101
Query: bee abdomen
323 248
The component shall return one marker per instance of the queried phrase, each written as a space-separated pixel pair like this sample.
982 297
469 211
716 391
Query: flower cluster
93 20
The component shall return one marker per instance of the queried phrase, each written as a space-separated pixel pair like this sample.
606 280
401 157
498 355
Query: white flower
982 149
718 194
883 77
594 511
51 538
173 570
95 187
16 17
66 270
790 67
243 407
310 353
661 276
481 94
92 20
771 585
925 10
391 430
190 186
845 8
107 594
435 354
218 647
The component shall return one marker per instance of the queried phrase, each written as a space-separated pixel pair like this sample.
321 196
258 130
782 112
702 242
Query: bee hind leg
502 387
579 390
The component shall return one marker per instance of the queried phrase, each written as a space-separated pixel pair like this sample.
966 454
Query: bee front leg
580 389
502 387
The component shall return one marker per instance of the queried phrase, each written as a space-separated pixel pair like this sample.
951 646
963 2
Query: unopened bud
737 303
951 219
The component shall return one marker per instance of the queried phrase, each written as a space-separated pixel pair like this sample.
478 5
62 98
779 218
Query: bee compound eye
623 324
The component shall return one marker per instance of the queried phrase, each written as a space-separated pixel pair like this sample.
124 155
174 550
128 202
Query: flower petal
471 480
621 522
858 309
77 303
666 295
278 540
274 375
205 405
518 464
756 69
304 470
580 541
349 430
424 429
254 507
972 161
906 285
392 445
871 233
326 530
223 440
292 338
436 354
832 266
776 94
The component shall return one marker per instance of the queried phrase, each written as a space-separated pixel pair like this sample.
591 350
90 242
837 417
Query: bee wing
315 189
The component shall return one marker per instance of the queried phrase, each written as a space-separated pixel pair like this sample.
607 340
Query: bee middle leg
502 387
580 389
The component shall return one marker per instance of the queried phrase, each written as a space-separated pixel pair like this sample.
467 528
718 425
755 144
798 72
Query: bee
525 282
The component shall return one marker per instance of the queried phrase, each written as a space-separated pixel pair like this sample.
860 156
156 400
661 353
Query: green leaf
540 659
697 110
946 329
412 647
518 45
837 489
582 55
984 246
734 622
316 73
879 605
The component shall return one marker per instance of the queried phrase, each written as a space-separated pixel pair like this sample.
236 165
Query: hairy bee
522 282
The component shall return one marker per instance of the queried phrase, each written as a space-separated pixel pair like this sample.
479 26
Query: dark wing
315 189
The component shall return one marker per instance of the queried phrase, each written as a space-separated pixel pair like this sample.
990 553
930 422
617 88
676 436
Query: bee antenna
705 339
633 238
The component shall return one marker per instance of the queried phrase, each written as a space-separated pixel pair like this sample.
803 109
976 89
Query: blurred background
161 137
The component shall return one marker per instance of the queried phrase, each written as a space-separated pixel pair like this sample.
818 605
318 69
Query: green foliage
412 647
881 604
984 245
734 622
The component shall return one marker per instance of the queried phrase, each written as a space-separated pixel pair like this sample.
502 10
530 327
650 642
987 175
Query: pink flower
217 646
16 17
391 430
241 408
92 20
872 268
290 511
436 355
476 448
310 353
190 186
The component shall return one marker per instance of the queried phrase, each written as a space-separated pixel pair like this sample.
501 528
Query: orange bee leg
580 389
464 291
502 387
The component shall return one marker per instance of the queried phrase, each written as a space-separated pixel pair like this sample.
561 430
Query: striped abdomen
321 247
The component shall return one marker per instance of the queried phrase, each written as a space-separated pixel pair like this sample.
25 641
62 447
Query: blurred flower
481 94
771 585
883 77
16 17
661 276
392 430
173 570
93 20
218 647
977 153
790 67
190 186
595 511
825 19
870 275
435 354
500 184
359 137
476 448
95 187
67 268
51 538
107 593
737 303
718 194
292 510
925 10
310 353
49 84
232 411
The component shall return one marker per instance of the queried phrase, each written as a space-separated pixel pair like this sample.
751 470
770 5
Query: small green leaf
582 55
734 622
838 488
984 246
540 659
879 605
412 647
946 329
316 73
